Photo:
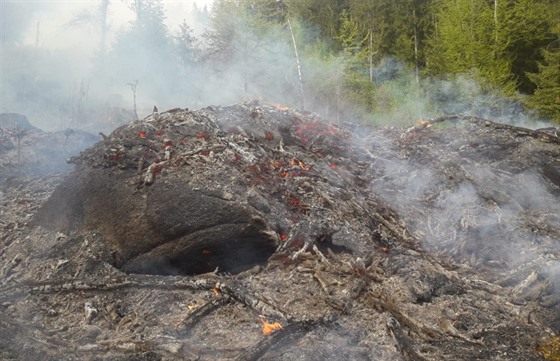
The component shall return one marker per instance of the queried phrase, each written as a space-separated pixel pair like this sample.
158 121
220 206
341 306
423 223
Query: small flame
280 107
269 328
142 134
423 123
216 292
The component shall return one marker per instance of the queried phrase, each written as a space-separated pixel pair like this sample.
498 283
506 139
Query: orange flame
423 123
269 328
280 107
216 292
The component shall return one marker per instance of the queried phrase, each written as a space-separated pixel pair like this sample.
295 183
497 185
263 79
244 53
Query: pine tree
371 19
143 51
323 14
525 26
546 99
358 85
467 41
186 45
243 42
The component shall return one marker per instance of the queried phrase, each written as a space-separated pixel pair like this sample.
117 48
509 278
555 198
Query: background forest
383 61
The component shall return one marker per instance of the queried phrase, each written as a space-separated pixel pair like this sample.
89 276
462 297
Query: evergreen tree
370 17
546 98
467 41
323 14
186 45
358 85
244 41
526 29
144 51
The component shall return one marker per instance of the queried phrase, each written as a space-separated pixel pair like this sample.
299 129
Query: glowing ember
276 165
294 202
283 236
142 134
269 328
294 162
206 252
333 166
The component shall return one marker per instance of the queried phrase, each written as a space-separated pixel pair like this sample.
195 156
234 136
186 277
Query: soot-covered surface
188 234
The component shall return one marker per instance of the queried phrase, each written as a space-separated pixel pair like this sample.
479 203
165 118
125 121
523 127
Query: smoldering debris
29 151
261 232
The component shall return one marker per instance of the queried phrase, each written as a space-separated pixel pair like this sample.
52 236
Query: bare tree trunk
416 66
103 10
415 44
370 56
133 88
37 35
496 21
300 77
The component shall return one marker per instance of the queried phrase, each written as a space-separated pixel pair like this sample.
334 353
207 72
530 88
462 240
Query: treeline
379 60
348 48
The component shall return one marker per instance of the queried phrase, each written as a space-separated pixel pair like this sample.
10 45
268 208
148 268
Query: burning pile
354 240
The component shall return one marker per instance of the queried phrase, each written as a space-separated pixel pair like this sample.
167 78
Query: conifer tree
465 42
546 98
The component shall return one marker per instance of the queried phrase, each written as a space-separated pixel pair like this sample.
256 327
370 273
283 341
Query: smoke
52 69
483 208
61 75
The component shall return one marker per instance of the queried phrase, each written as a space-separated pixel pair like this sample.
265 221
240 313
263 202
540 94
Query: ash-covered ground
257 232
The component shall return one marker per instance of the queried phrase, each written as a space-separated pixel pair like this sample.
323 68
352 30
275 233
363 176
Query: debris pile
262 232
28 151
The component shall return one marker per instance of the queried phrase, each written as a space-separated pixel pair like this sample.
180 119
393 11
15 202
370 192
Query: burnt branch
194 318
